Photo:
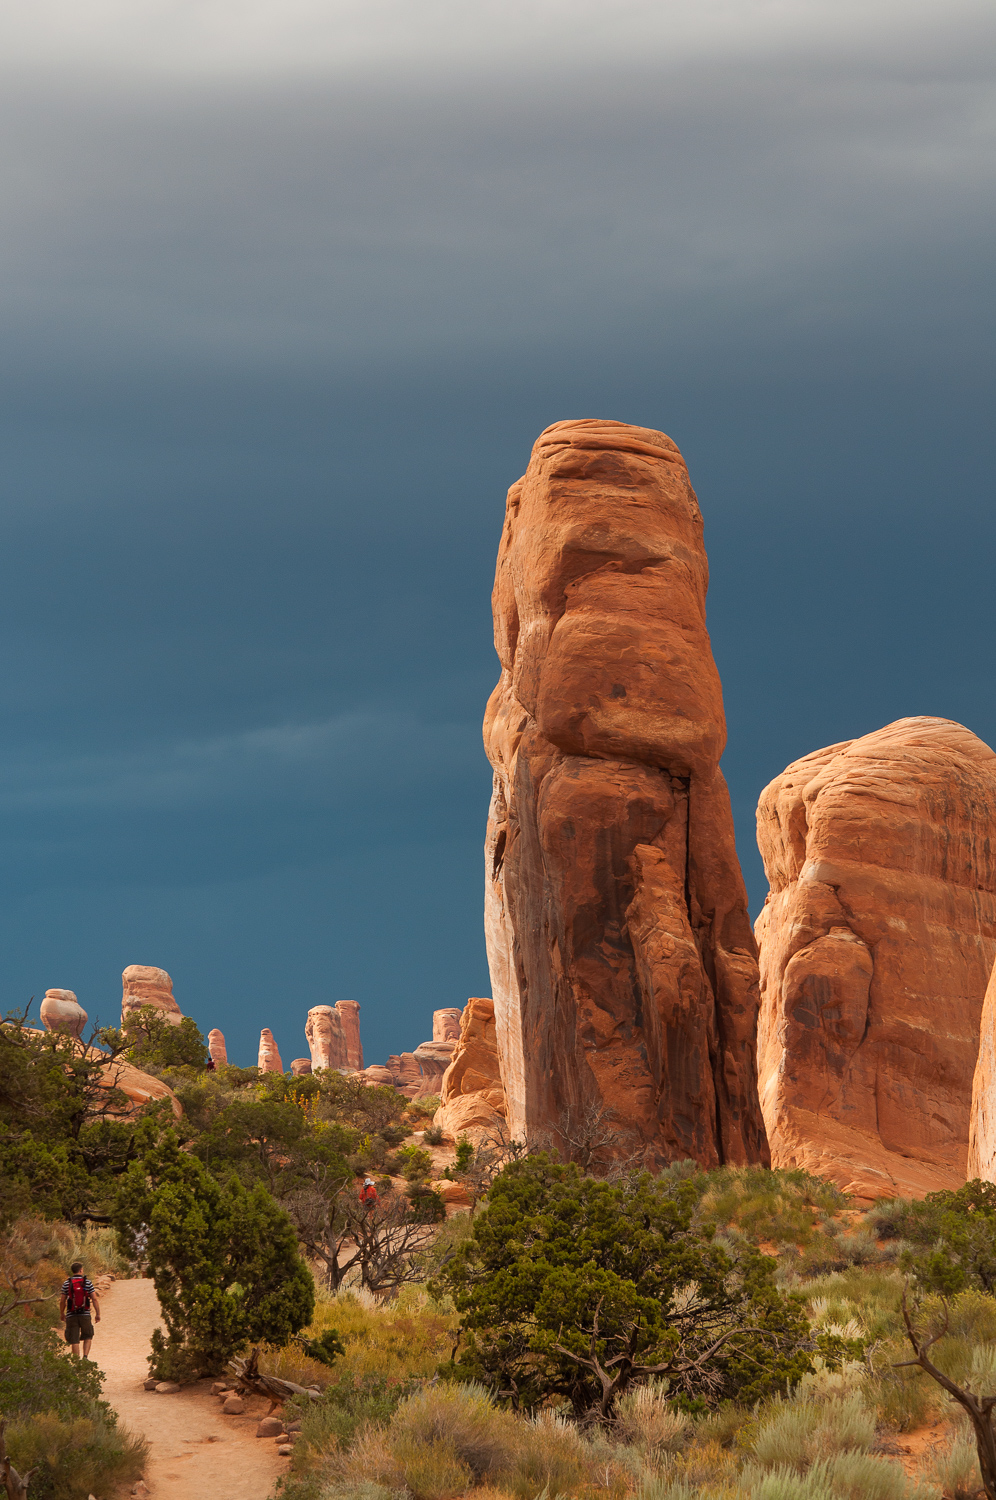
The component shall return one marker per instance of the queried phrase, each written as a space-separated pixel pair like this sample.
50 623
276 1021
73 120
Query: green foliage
155 1043
574 1288
75 1457
416 1164
427 1206
61 1147
224 1260
36 1377
433 1135
464 1154
326 1349
952 1237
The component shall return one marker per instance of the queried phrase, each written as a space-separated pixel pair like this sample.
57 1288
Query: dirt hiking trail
194 1451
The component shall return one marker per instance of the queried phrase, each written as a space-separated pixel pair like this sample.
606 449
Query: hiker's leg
86 1348
76 1350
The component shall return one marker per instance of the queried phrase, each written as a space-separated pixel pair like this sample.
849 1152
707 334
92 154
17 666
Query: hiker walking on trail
74 1305
368 1194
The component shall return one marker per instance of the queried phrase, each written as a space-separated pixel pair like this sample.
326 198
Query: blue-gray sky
288 288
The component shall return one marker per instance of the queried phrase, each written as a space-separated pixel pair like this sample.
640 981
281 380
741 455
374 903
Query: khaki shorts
79 1326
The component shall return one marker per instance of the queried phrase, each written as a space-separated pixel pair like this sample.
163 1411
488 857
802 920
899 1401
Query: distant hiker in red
74 1306
368 1194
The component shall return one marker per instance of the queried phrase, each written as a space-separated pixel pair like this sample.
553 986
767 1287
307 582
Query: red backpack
77 1294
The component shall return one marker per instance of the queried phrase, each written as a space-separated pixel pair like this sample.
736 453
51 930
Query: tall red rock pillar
623 965
877 940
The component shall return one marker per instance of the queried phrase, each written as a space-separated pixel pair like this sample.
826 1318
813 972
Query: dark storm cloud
285 296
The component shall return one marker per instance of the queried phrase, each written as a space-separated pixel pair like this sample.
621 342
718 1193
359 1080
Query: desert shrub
953 1238
433 1135
463 1419
903 1398
346 1408
779 1206
427 1206
550 1454
155 1043
563 1273
75 1458
804 1430
464 1153
35 1377
645 1418
431 1470
404 1338
956 1471
224 1260
416 1164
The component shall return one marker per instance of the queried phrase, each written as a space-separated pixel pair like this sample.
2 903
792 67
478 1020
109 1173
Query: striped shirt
67 1291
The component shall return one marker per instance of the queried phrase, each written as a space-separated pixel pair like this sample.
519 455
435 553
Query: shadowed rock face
142 984
622 960
876 941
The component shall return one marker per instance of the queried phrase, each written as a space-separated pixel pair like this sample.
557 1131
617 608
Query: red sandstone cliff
622 960
876 941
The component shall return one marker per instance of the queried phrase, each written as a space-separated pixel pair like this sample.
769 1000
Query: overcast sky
288 289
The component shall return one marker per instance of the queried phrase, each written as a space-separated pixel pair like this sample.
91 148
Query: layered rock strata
61 1011
269 1056
446 1024
877 940
622 960
472 1099
349 1015
217 1050
982 1127
326 1037
145 985
301 1067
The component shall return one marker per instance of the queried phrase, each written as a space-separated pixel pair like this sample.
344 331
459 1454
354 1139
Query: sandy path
195 1452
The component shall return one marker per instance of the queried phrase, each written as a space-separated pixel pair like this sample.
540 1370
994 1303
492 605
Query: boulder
233 1406
452 1193
877 939
349 1015
472 1100
144 985
301 1067
446 1024
623 965
151 1383
269 1057
270 1427
138 1088
378 1076
61 1011
167 1388
217 1049
326 1037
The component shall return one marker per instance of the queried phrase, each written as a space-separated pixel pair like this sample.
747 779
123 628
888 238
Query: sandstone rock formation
472 1100
349 1015
269 1057
61 1011
877 940
378 1076
446 1024
982 1129
144 985
217 1050
138 1087
622 960
301 1067
433 1059
326 1037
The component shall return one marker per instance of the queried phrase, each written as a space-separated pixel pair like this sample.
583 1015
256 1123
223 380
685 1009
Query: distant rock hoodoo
269 1057
144 985
61 1011
217 1050
877 940
622 960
